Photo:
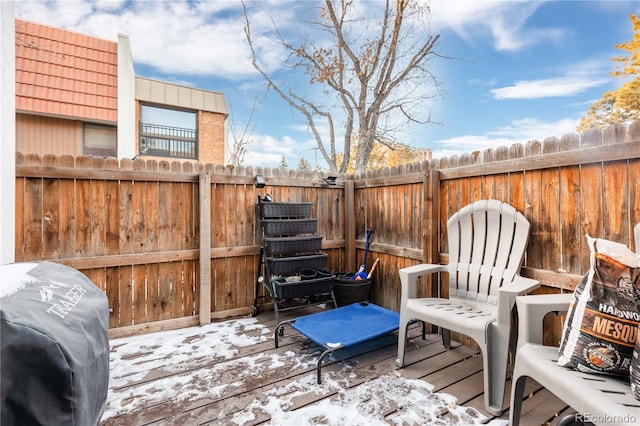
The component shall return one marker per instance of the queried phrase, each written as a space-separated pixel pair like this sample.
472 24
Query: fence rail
174 244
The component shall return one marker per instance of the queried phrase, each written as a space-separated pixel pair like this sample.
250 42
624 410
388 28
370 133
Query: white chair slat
460 273
519 246
507 236
494 234
479 233
466 241
474 279
453 237
486 280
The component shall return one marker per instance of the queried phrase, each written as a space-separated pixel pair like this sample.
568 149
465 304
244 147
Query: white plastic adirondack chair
487 241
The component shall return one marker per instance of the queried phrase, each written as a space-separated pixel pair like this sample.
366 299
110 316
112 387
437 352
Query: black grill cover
55 348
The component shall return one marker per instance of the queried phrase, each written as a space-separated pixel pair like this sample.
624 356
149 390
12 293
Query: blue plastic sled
343 327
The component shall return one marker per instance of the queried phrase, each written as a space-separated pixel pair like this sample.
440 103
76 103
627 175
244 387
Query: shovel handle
373 268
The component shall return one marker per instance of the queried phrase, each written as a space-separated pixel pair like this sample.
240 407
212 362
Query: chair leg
446 337
572 420
495 368
517 394
402 341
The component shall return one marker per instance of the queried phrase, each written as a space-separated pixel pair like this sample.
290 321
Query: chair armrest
416 271
531 312
410 274
508 293
519 286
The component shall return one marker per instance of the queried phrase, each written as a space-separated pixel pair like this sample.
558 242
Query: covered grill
55 347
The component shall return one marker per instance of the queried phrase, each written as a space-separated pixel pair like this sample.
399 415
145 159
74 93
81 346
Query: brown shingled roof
63 73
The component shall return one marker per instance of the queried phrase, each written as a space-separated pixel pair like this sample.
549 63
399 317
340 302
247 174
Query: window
168 132
100 140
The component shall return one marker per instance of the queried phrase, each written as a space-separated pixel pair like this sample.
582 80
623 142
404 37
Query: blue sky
521 70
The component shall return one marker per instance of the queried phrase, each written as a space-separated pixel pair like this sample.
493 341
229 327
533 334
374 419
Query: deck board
235 389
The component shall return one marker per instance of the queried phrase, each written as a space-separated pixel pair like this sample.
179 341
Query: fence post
205 247
349 226
432 208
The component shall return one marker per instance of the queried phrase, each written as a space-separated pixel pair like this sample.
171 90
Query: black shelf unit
291 266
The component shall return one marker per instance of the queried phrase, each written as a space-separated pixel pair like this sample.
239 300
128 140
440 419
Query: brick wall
211 134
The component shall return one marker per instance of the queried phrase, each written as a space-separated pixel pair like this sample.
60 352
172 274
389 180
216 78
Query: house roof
65 74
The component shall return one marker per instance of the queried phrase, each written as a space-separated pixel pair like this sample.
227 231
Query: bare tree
376 73
240 139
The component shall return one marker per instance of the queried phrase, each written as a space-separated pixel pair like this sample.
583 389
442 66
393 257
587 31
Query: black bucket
324 273
308 274
348 291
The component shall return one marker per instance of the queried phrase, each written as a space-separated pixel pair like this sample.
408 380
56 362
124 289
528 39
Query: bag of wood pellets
600 331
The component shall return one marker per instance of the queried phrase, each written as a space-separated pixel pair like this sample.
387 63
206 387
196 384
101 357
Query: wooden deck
239 385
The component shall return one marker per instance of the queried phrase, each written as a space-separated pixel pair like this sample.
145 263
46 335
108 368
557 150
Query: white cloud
516 132
532 128
191 38
56 13
577 79
546 88
109 5
504 21
267 151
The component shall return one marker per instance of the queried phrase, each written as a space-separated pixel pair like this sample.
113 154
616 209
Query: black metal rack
291 266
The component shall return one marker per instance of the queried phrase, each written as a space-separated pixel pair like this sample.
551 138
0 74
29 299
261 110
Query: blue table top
347 325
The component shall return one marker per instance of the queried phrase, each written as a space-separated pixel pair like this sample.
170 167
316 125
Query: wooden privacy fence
566 187
175 244
137 229
133 228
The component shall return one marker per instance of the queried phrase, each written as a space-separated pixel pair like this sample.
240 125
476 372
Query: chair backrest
487 241
636 236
